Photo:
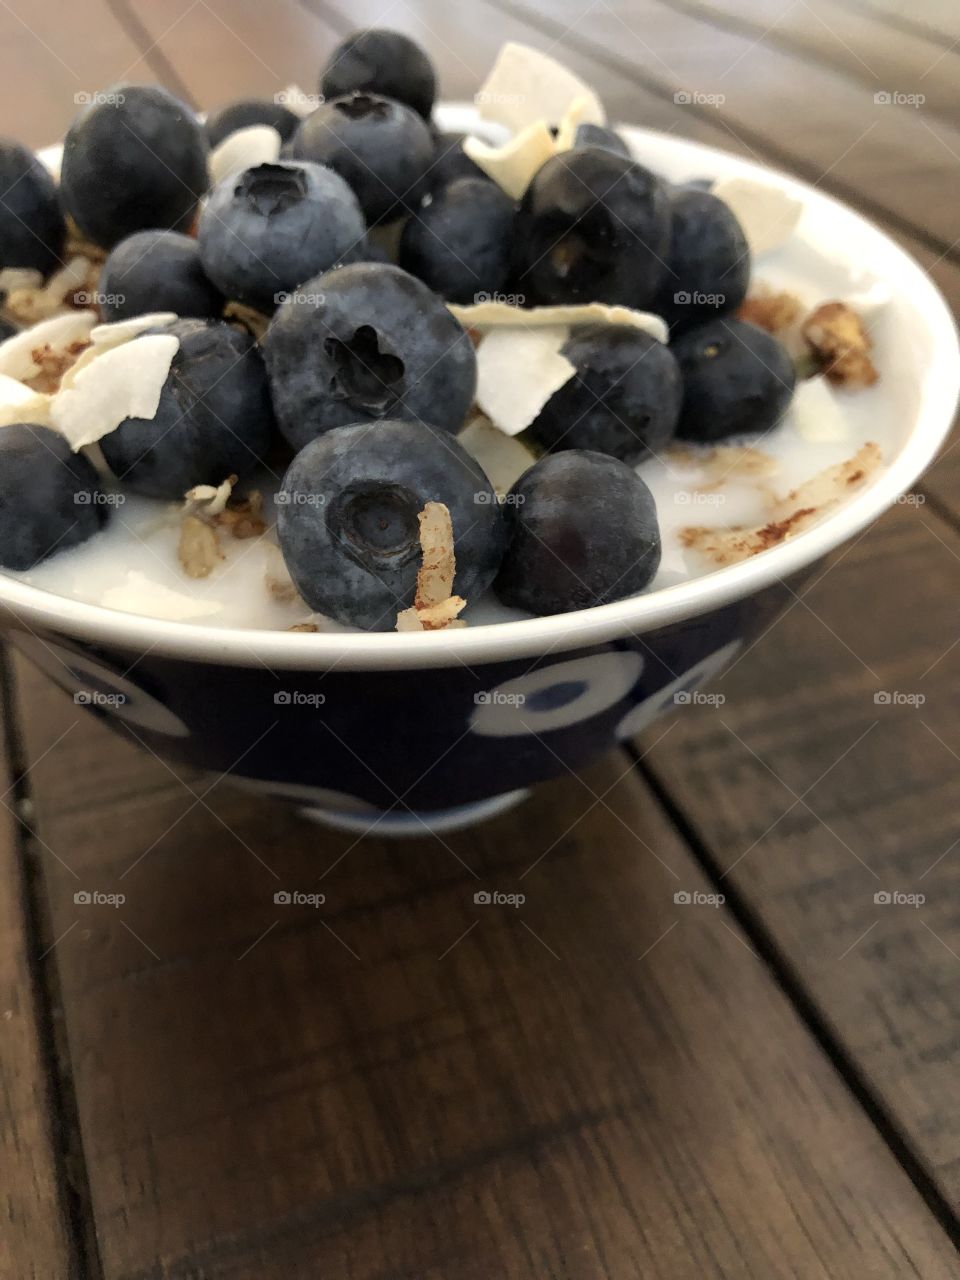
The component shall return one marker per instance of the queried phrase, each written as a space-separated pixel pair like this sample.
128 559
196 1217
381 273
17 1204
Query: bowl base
406 823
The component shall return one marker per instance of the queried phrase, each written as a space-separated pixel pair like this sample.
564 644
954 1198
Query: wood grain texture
34 1236
811 797
403 1083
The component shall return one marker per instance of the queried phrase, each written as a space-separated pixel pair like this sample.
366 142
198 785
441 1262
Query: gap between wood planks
71 1165
803 1003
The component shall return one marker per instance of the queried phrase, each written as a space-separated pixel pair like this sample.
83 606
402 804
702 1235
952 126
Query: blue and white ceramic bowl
396 733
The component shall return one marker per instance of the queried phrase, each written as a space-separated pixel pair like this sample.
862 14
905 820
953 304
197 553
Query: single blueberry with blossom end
348 519
50 497
582 530
265 230
363 342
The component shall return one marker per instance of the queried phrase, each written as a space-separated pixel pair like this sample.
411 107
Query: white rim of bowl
31 607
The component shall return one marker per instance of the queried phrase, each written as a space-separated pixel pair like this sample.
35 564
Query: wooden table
606 1084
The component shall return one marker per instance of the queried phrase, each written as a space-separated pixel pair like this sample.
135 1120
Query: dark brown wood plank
35 1238
811 797
270 1091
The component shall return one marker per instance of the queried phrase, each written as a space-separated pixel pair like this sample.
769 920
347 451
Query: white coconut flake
58 334
243 149
579 112
817 412
526 86
106 336
504 315
518 370
767 215
211 498
504 460
18 403
513 165
124 382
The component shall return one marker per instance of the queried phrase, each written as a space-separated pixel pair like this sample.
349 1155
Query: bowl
399 734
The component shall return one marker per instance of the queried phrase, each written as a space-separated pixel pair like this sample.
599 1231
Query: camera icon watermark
299 297
298 698
98 498
94 698
298 101
94 898
298 498
495 698
896 98
697 898
696 698
897 898
698 498
693 98
295 898
494 898
505 299
99 99
895 698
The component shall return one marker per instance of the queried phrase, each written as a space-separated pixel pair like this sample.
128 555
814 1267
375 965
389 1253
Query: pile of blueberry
364 376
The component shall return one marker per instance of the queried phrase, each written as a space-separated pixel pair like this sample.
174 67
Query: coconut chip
27 355
244 149
74 285
123 382
512 165
496 315
503 458
18 403
199 547
207 499
837 337
800 509
518 370
526 86
767 215
434 607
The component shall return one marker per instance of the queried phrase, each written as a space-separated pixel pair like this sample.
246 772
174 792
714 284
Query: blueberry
32 229
243 115
595 135
459 242
50 497
347 518
451 162
271 227
382 148
623 401
385 62
737 380
709 260
582 530
592 227
214 419
135 160
157 271
363 342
